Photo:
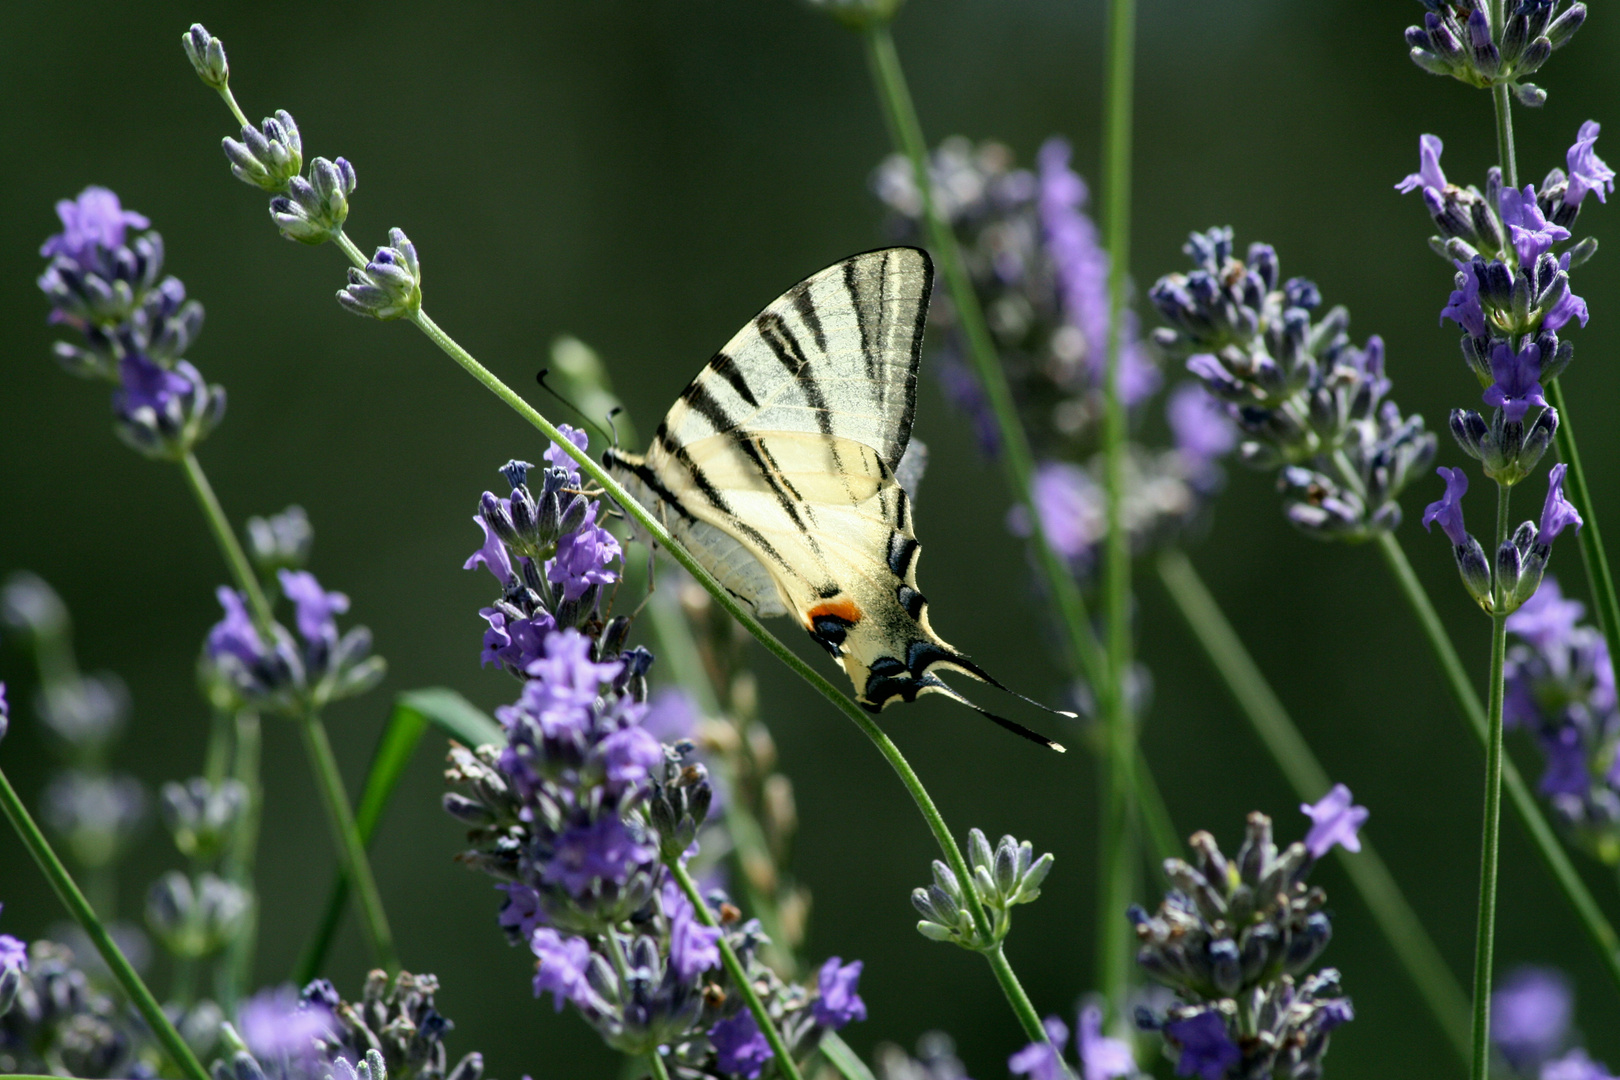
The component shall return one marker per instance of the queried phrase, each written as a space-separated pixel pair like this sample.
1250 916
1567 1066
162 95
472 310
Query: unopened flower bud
207 55
390 287
314 210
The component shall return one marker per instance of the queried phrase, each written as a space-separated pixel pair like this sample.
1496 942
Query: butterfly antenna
968 667
540 377
615 411
1012 726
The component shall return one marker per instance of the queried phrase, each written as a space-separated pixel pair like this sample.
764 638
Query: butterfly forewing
776 468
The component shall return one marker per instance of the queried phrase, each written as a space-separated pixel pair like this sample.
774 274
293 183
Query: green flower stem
1299 766
728 957
236 972
906 131
1160 829
80 909
1115 941
655 1065
1546 842
1485 936
1599 579
236 559
1028 1018
351 849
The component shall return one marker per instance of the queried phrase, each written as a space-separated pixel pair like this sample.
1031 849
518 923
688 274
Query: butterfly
776 468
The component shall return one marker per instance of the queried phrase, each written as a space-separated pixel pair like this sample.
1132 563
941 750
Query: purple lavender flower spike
1428 174
630 755
1070 507
145 385
1568 306
13 953
1102 1058
521 915
1575 1065
493 556
563 963
740 1046
604 850
235 635
558 457
96 219
1518 380
1206 1049
1568 772
315 607
1546 618
838 1003
583 557
692 946
1531 1013
1531 232
1202 427
516 643
1043 1060
1333 821
278 1026
1587 172
1557 513
1448 510
1464 308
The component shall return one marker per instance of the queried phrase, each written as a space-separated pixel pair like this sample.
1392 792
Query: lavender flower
1333 821
1457 39
1575 1065
1532 1011
282 1029
1206 1050
740 1045
1102 1058
1254 966
837 1002
5 712
135 324
1303 397
1448 509
1201 425
1560 688
390 287
1557 513
13 953
692 948
1587 172
97 814
562 965
1043 1060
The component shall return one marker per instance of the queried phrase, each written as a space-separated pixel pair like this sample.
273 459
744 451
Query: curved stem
1028 1018
236 559
734 968
351 849
1118 857
72 899
1524 803
1485 933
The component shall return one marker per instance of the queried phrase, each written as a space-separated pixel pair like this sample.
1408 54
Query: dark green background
646 176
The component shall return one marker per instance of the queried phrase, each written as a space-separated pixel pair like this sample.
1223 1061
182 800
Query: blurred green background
646 176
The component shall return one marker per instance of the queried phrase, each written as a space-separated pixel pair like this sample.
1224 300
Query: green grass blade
414 711
844 1060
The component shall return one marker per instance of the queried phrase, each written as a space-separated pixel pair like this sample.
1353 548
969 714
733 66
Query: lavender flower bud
10 981
313 211
1474 569
270 157
1563 28
207 55
281 541
194 921
390 287
202 817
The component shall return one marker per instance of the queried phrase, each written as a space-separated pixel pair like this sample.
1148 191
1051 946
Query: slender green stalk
1118 860
236 972
655 1064
72 899
1299 766
1156 821
1491 832
351 849
235 558
1502 98
1010 986
728 957
1546 842
1598 576
906 131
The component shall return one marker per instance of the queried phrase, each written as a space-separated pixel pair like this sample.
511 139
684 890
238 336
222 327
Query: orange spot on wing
842 608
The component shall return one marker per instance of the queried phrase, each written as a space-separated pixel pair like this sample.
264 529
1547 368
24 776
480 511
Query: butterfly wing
783 452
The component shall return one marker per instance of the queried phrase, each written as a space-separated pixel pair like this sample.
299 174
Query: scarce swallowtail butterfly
776 469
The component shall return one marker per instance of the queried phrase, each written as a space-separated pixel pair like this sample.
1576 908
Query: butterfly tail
937 686
969 668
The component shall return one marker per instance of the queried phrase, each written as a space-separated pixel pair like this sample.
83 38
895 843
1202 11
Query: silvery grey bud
390 287
314 210
207 55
